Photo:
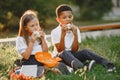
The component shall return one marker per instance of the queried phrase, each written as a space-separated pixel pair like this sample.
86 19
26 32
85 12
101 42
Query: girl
31 39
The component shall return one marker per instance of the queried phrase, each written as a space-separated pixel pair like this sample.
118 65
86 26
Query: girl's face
32 25
65 18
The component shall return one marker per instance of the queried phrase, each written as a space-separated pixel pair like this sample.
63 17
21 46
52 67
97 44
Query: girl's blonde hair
25 18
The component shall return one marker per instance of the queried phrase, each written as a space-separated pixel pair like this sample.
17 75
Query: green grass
104 46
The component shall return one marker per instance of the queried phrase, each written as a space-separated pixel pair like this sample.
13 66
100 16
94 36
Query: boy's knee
85 51
64 53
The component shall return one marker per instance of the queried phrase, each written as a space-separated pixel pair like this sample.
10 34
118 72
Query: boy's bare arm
75 44
61 46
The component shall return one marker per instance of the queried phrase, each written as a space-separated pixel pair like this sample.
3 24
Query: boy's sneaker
91 64
111 68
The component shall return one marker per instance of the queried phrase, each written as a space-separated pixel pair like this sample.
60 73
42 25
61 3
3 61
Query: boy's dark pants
77 59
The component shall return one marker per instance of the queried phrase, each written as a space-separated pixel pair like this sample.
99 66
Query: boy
66 38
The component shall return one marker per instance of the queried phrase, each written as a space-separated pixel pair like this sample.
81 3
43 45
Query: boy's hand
64 30
74 29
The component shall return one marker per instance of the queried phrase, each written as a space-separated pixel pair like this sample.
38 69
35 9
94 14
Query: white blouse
21 46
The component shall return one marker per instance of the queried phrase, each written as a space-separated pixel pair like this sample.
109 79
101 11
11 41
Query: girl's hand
42 34
36 34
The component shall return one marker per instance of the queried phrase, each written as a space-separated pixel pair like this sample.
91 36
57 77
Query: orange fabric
46 59
14 76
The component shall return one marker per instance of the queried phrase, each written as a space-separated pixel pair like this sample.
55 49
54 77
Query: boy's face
65 18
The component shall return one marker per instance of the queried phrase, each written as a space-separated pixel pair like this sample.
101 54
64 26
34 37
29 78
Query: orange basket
46 59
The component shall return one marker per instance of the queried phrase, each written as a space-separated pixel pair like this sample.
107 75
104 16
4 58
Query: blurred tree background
11 11
94 9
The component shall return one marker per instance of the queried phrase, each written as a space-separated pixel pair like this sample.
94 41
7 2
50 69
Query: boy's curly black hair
61 8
